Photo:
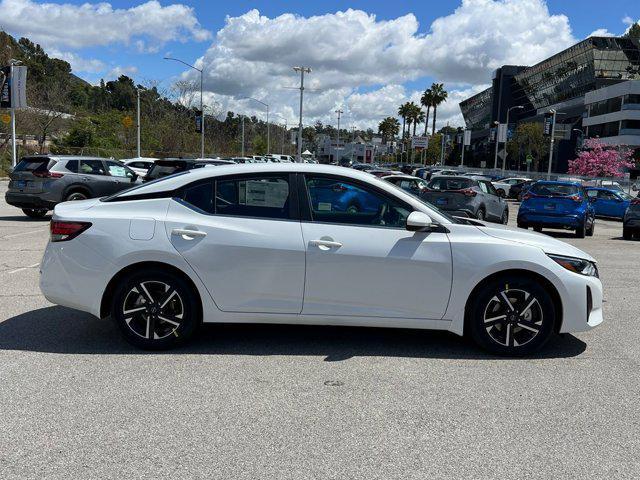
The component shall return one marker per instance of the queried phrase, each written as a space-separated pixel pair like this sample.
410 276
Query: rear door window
260 196
92 167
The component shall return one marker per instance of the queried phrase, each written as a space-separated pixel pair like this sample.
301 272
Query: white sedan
309 244
503 187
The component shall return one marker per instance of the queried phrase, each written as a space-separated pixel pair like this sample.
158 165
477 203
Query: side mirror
419 222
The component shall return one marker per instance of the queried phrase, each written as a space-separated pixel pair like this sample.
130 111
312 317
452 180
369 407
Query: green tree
529 139
403 111
634 31
388 128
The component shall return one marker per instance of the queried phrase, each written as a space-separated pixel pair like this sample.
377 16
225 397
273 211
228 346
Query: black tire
591 229
523 330
35 212
523 225
77 195
627 233
480 214
537 229
505 217
167 314
581 231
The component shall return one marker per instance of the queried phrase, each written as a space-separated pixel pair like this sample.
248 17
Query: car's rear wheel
511 316
73 196
627 233
537 229
35 212
155 310
523 225
480 214
581 230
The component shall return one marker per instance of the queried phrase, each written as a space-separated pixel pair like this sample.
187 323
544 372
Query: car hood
545 242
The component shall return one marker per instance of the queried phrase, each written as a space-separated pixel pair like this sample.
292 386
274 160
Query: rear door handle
188 234
325 243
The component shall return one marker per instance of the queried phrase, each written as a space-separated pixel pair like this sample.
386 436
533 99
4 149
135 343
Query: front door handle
324 244
188 234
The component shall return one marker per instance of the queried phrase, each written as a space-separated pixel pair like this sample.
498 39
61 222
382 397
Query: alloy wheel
513 318
153 310
76 196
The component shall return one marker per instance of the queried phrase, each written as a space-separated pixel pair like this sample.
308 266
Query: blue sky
367 60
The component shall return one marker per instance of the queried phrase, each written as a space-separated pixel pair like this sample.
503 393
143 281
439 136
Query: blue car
609 202
557 205
329 195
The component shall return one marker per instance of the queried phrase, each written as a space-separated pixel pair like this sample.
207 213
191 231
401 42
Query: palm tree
388 128
427 101
417 116
439 95
403 112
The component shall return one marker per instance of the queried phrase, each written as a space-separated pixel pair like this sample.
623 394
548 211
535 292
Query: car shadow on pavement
62 330
24 218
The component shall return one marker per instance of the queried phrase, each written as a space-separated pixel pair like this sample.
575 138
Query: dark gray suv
467 197
40 182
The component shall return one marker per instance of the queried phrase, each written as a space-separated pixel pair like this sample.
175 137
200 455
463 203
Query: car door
93 174
493 202
362 261
122 177
242 236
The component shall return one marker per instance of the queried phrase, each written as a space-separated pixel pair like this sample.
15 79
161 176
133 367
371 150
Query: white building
613 114
359 150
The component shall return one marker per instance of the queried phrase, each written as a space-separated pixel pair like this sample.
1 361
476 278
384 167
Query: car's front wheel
511 316
155 310
35 212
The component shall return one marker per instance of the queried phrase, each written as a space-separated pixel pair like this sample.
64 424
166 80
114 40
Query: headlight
576 265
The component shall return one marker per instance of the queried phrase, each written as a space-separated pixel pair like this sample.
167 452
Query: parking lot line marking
24 268
35 230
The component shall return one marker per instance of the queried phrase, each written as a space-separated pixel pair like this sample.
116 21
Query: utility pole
302 71
339 112
201 100
242 136
138 123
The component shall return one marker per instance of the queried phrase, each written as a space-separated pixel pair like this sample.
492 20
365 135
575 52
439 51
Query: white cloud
77 62
78 26
116 71
601 32
252 55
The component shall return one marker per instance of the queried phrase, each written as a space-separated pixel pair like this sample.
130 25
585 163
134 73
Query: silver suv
40 182
467 197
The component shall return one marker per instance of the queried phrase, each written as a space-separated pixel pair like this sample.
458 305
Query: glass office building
559 82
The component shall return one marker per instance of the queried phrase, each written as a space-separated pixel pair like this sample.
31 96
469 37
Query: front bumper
28 200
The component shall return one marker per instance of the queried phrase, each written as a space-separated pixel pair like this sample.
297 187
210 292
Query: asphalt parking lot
312 402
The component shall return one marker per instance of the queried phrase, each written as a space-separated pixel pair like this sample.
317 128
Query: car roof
556 182
400 175
614 190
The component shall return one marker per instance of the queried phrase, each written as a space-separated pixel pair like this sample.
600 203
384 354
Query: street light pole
302 71
201 100
138 123
242 136
267 106
553 132
14 145
504 159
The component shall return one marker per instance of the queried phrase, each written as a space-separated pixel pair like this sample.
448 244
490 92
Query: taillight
635 201
468 192
47 174
526 196
62 231
576 198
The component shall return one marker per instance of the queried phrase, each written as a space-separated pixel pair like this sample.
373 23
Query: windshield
554 189
34 164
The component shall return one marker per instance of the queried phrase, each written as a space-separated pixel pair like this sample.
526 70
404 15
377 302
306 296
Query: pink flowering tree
601 160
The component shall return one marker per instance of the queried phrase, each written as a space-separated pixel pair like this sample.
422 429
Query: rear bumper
553 221
28 200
